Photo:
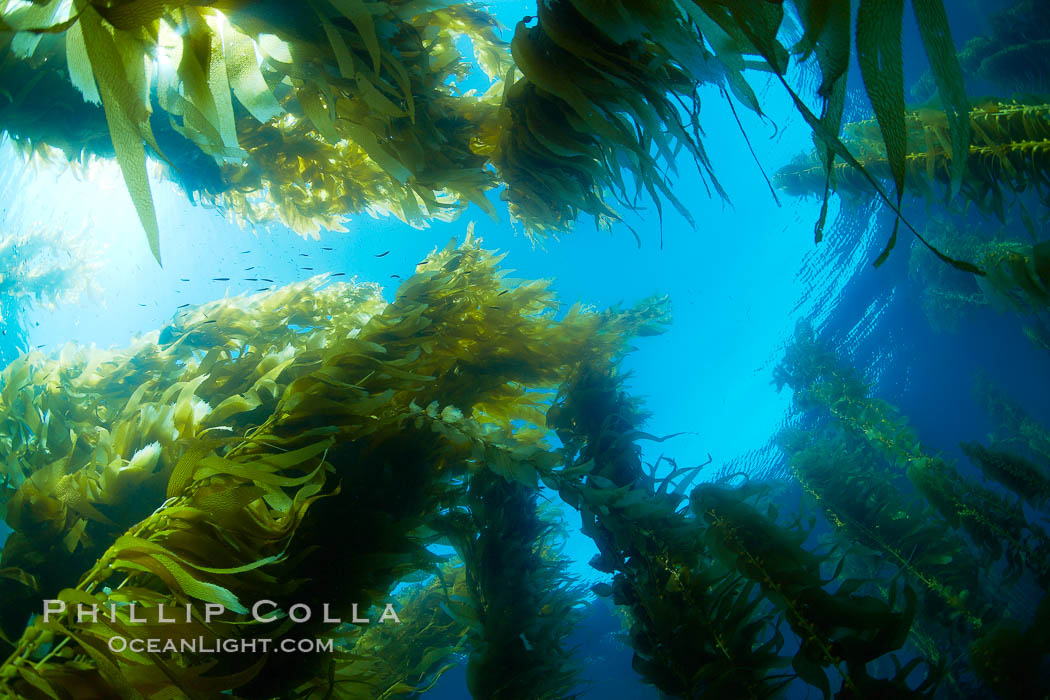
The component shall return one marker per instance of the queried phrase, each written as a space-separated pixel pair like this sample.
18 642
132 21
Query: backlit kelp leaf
944 62
126 116
79 63
246 79
881 60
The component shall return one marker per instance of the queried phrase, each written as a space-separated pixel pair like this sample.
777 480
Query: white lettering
50 610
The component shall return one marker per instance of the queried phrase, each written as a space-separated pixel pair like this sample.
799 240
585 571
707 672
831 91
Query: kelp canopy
343 106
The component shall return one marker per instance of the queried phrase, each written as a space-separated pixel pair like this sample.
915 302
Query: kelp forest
428 452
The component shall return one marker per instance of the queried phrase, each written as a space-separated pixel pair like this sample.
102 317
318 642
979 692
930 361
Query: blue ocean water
739 281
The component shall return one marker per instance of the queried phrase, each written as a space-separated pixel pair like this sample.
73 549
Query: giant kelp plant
228 455
1007 156
342 106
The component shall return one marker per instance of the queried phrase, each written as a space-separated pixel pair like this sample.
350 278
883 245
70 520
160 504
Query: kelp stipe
715 595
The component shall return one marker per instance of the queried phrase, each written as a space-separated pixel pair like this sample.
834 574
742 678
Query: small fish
184 279
40 346
182 306
503 292
263 289
141 304
251 279
220 279
383 254
396 276
422 262
496 308
308 268
249 269
245 252
323 248
338 274
304 255
265 280
211 321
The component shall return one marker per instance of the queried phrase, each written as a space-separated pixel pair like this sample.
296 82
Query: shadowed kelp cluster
343 106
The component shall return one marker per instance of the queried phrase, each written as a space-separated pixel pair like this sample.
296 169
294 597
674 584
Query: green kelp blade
124 115
944 63
361 17
881 60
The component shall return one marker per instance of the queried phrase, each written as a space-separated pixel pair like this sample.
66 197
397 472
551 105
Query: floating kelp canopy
343 106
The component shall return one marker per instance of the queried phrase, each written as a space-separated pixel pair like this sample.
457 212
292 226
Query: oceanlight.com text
201 645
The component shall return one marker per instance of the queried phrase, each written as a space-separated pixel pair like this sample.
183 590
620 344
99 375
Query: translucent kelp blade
944 62
881 59
125 115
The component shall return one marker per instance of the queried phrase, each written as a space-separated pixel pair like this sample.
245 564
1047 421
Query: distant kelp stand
341 107
971 551
1014 54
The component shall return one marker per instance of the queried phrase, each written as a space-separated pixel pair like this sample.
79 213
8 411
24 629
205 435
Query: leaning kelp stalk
305 446
1008 154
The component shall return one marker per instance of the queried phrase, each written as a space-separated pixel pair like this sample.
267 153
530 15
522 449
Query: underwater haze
572 349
